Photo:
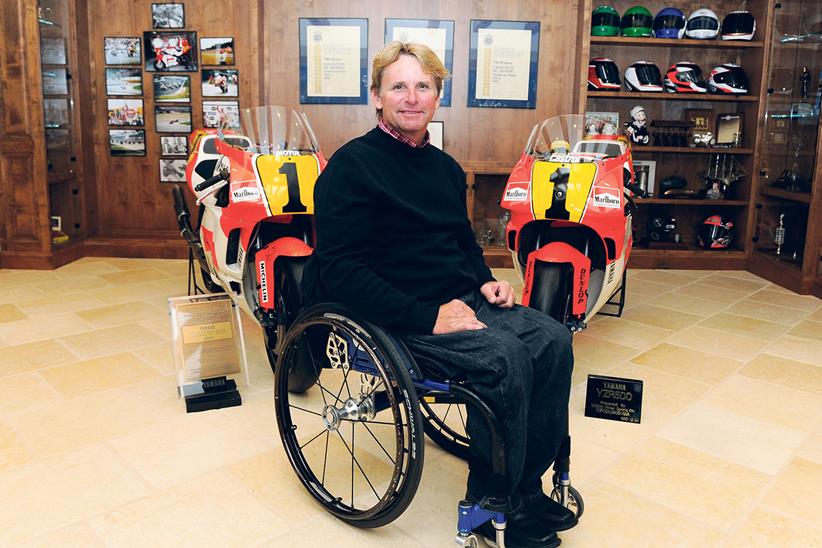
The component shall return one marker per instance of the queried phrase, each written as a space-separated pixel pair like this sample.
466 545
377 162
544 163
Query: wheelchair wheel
445 424
575 502
354 438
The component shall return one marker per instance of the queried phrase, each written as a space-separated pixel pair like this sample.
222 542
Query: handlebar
636 189
210 182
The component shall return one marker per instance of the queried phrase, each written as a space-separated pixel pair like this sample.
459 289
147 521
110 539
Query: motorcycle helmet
669 23
643 76
738 25
637 21
703 24
715 233
603 74
728 78
605 21
685 77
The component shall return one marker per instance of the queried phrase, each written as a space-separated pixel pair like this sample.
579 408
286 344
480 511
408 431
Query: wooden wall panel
471 134
130 200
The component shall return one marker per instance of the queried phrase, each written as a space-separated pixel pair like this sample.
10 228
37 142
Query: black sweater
393 237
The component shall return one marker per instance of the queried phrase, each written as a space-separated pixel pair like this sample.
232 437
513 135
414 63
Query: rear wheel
552 290
354 438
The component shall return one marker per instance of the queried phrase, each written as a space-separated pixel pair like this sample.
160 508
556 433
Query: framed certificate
334 61
502 64
434 33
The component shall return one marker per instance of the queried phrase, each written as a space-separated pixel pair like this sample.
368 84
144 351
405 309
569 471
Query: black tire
209 283
385 462
444 423
552 290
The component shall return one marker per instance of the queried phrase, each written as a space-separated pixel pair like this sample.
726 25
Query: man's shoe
521 531
548 511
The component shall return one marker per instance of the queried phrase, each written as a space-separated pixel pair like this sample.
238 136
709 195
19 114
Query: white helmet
703 24
643 76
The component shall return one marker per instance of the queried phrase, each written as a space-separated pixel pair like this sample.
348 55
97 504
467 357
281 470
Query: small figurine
637 129
804 79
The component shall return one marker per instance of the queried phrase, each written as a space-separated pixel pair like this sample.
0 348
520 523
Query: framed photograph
58 140
221 83
172 88
172 119
502 64
172 171
124 81
434 33
702 120
168 16
334 61
127 142
217 51
645 175
122 51
56 223
729 129
125 112
173 145
56 112
168 51
601 123
436 134
215 111
55 81
53 51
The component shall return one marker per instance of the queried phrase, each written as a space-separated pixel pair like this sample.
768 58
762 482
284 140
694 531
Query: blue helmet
669 23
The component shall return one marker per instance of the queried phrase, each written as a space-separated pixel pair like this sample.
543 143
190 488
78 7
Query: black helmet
643 76
738 25
728 78
715 233
603 73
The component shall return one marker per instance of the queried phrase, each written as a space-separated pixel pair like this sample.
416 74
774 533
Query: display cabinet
673 119
787 214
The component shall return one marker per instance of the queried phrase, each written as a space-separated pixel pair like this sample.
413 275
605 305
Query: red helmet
685 77
603 74
715 233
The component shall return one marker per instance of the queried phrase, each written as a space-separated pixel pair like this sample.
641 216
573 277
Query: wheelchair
352 411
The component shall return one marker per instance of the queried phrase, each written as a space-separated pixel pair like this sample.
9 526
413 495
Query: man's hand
456 316
498 293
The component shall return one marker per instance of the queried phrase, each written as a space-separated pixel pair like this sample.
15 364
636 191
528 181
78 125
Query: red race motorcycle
570 227
255 193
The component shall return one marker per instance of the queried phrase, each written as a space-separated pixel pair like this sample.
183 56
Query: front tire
552 290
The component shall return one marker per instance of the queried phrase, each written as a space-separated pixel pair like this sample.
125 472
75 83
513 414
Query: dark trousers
521 367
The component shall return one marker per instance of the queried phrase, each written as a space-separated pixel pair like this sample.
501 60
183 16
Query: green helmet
637 21
605 21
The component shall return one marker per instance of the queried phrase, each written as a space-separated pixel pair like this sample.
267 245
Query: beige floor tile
35 329
642 290
662 392
660 317
325 530
15 277
746 326
808 330
632 334
178 268
23 392
160 356
690 305
134 276
86 265
688 363
740 439
130 292
721 279
256 415
32 356
727 345
768 528
808 303
769 312
135 311
50 306
180 449
796 491
617 518
591 356
78 535
85 377
816 316
57 492
812 449
207 511
704 487
668 277
12 451
112 340
793 374
796 348
17 293
741 274
72 284
10 313
703 290
73 424
159 326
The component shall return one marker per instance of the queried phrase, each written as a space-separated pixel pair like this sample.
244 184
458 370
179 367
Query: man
394 244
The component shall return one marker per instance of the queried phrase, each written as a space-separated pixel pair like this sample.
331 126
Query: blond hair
391 51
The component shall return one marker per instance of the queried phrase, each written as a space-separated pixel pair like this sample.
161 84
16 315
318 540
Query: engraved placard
614 398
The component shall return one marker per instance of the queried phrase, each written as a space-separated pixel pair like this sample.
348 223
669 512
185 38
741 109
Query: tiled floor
95 448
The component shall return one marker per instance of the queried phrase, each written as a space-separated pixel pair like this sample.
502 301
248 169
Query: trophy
779 234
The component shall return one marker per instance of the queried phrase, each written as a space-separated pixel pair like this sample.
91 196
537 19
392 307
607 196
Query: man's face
408 97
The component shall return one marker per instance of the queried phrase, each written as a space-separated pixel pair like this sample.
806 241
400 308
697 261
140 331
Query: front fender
560 252
265 260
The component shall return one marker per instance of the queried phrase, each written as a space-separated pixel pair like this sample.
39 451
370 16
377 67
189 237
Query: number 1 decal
294 204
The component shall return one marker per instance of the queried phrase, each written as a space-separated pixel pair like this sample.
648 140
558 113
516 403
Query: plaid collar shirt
383 125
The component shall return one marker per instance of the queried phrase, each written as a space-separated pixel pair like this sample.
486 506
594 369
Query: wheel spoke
365 424
304 410
465 428
314 438
317 369
325 458
354 460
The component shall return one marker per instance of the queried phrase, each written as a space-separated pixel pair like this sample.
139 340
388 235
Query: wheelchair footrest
470 516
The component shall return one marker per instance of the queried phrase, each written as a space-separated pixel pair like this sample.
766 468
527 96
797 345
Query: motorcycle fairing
288 182
561 190
265 261
560 252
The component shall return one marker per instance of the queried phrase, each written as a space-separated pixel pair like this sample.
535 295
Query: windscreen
568 129
275 129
